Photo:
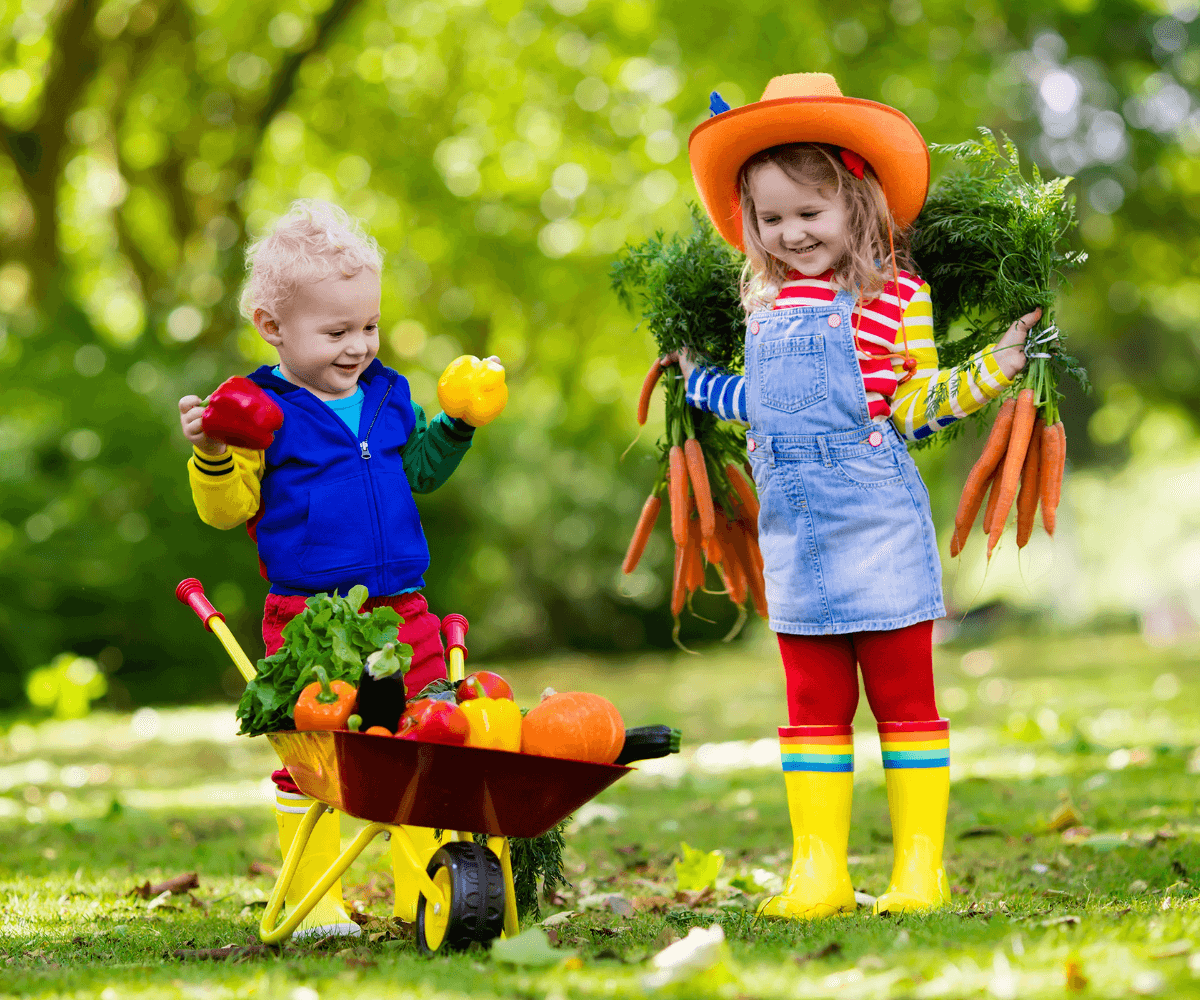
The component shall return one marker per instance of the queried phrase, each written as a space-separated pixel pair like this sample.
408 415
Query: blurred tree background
502 151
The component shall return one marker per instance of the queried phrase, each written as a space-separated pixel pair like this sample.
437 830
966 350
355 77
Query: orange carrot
1049 466
648 384
989 511
1053 492
1062 464
641 534
754 581
693 564
714 552
981 473
735 579
1014 461
679 584
698 474
677 492
1027 499
743 490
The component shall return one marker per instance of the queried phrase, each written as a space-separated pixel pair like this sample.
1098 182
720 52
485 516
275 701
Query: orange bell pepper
324 704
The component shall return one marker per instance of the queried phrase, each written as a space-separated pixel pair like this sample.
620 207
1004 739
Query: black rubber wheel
471 876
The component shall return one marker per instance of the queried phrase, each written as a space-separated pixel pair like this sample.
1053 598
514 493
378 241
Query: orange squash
575 725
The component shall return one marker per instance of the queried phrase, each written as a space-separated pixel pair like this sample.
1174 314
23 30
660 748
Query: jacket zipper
362 445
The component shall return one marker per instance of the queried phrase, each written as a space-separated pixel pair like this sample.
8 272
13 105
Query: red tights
897 671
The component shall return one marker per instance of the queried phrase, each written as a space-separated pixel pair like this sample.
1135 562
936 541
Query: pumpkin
575 725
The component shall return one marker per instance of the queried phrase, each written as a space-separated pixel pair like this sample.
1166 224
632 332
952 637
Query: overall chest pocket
792 372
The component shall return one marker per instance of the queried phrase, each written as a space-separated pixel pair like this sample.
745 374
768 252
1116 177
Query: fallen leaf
1068 918
558 918
176 884
1075 977
651 904
529 948
833 948
981 831
220 954
1173 950
697 869
262 868
694 899
1065 816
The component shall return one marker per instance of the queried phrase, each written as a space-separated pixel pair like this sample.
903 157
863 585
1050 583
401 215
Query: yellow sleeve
936 397
226 488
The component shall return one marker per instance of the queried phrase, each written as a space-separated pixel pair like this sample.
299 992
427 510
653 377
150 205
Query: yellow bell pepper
473 390
495 723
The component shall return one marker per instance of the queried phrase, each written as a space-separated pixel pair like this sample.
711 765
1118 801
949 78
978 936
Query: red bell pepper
430 721
241 414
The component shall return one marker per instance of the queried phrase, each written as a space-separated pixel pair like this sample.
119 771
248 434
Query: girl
841 369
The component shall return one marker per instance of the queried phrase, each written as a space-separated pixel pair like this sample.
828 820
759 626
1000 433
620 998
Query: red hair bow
854 163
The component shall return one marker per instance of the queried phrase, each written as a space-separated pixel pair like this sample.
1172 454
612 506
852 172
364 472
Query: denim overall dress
844 524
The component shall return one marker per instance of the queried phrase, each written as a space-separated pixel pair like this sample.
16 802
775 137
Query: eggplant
381 692
648 742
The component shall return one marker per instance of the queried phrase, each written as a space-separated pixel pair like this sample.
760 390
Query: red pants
421 629
897 672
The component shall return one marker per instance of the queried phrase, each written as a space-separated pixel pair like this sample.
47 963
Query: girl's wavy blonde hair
868 262
314 240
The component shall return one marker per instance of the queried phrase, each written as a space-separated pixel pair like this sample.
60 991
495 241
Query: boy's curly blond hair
314 240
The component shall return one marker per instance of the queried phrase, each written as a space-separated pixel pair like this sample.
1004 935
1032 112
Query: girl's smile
804 225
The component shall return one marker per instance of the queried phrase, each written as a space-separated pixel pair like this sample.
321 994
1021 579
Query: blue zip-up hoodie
337 509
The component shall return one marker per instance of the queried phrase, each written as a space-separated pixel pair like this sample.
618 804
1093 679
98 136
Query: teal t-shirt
348 409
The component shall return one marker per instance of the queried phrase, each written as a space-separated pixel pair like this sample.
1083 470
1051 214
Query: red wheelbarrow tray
469 789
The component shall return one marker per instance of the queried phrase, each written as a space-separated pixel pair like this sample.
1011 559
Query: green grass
90 810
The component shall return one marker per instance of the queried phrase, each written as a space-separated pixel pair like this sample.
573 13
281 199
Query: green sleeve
434 450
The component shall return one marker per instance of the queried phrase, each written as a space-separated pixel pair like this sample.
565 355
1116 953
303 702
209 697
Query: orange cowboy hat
807 107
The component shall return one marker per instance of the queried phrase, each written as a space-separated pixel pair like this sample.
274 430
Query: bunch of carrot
713 509
1023 461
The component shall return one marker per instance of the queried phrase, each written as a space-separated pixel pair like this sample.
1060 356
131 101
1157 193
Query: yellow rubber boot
818 770
407 888
916 761
328 917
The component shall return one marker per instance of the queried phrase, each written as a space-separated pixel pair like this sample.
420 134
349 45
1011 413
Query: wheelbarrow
466 890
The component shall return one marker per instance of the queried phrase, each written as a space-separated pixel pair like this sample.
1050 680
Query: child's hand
191 409
1010 349
681 358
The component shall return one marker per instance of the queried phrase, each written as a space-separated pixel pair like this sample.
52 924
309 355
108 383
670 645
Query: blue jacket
337 509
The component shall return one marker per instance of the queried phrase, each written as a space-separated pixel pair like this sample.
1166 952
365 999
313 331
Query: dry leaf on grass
651 904
177 884
695 898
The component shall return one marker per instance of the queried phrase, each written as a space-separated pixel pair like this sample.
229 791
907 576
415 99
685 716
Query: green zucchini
648 742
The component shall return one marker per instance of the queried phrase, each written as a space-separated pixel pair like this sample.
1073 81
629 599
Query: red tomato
430 721
483 684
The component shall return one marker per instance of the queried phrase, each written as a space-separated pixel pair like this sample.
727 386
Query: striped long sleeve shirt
880 345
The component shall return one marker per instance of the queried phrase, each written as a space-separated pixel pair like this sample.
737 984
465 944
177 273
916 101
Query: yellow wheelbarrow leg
267 931
512 926
412 848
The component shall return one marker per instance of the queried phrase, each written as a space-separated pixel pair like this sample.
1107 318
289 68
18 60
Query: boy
329 503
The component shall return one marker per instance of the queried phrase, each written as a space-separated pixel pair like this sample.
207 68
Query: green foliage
687 291
993 246
332 633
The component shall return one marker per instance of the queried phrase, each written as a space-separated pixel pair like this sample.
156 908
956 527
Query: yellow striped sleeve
961 390
226 488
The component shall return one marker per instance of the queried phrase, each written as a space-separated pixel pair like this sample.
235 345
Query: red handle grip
191 592
454 628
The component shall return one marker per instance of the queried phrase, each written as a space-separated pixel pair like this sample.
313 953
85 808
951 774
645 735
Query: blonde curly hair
314 240
868 262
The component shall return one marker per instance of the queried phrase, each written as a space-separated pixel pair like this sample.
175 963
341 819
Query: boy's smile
327 333
802 224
